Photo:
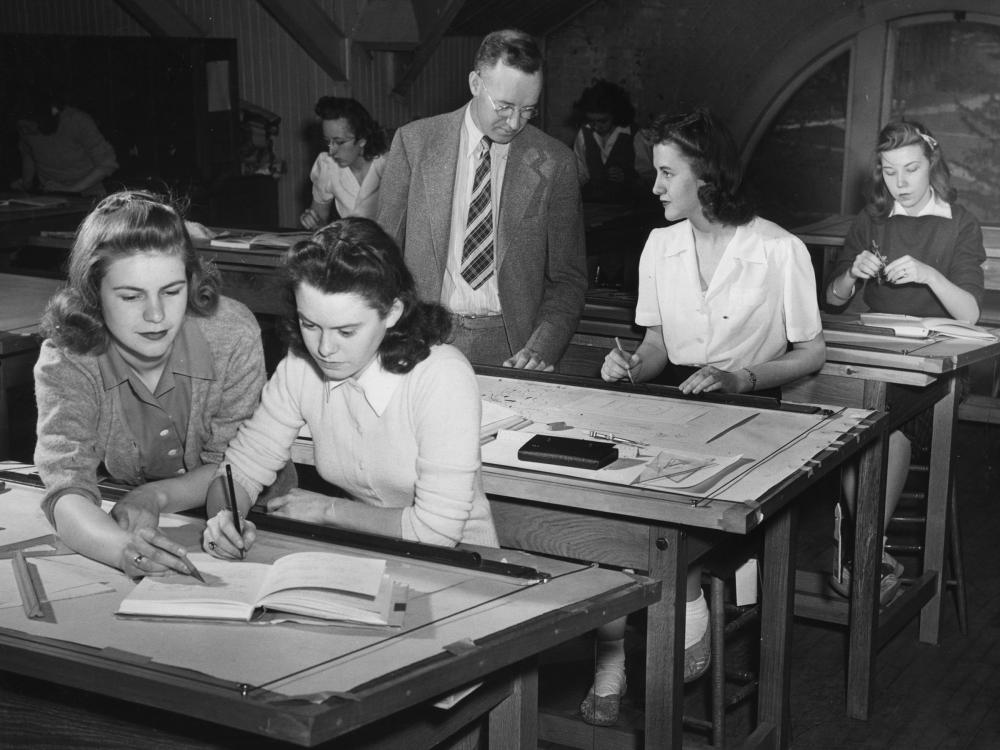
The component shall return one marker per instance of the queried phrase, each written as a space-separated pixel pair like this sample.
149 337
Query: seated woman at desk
146 372
349 172
728 300
393 411
916 252
62 150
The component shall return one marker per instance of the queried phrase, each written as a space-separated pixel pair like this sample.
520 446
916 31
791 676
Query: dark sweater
953 246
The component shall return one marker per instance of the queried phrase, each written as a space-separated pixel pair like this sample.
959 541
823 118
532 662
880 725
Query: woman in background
613 158
62 150
145 373
728 301
916 252
349 172
394 412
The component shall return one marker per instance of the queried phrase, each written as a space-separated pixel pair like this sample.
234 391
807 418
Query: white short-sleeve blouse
762 296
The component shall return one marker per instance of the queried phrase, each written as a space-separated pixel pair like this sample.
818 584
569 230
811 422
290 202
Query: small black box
565 451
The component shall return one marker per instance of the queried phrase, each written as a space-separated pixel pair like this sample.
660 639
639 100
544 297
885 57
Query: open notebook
314 586
911 326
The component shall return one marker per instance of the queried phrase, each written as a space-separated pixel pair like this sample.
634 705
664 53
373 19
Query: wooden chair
906 534
729 687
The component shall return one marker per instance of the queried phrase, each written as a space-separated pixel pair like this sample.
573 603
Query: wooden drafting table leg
938 486
868 517
777 605
513 724
4 412
665 639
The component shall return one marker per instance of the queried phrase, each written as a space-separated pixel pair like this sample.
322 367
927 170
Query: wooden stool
911 516
725 620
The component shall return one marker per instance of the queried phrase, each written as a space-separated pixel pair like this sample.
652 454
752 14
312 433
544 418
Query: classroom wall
731 55
274 72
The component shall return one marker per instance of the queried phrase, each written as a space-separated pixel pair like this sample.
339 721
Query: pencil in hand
628 358
192 570
234 508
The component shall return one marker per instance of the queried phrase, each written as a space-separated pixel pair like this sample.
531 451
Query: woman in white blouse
729 303
349 172
394 412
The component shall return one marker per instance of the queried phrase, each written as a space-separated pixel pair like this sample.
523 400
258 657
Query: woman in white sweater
393 411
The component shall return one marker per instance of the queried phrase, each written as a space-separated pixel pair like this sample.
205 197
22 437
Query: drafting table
19 221
304 684
251 275
22 302
904 377
660 532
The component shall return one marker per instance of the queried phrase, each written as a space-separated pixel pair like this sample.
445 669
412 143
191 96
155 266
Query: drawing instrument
233 507
192 570
30 599
628 358
732 427
602 435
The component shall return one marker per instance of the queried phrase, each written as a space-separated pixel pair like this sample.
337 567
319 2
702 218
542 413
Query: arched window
810 153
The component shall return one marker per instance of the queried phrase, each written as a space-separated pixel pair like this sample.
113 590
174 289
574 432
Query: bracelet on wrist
753 378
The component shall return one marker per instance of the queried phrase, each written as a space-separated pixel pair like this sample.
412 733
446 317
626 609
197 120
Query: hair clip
929 140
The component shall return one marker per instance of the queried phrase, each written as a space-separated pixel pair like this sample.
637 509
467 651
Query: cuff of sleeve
49 503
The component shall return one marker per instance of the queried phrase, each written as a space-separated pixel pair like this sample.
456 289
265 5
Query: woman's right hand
149 553
221 540
618 364
866 265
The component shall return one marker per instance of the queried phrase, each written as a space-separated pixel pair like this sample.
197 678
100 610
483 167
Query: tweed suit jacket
540 254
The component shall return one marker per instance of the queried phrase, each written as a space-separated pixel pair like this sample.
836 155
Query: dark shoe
698 657
601 710
892 569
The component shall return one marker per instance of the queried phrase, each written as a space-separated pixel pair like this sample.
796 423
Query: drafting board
448 606
773 444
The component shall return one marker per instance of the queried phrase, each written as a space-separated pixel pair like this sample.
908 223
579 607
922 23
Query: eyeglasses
332 143
506 110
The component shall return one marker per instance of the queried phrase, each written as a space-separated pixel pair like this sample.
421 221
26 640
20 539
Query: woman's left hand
710 378
908 270
303 505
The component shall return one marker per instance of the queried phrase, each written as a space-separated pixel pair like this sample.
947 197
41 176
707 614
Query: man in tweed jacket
531 304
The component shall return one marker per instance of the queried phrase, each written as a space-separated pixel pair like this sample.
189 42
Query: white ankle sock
609 673
695 620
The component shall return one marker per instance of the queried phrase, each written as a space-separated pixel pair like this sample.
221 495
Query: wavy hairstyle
513 47
122 225
898 134
362 124
710 149
355 256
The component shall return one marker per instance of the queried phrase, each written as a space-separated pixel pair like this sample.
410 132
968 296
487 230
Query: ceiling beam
433 19
314 31
387 25
161 18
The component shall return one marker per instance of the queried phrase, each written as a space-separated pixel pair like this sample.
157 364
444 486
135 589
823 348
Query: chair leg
955 559
717 622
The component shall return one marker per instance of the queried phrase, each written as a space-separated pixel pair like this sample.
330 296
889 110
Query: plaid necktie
477 251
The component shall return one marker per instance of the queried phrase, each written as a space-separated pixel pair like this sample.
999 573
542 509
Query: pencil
234 507
628 357
26 587
192 570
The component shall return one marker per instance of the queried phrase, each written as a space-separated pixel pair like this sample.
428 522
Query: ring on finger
211 544
138 559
